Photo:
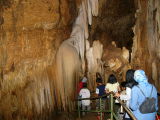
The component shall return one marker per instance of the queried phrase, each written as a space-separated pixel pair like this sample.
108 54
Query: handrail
120 101
93 98
129 111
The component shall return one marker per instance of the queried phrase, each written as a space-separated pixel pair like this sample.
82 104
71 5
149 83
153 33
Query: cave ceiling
115 21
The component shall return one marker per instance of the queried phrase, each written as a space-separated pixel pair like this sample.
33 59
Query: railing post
79 112
101 108
111 106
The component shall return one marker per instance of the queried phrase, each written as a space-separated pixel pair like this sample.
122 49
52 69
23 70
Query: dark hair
99 80
130 78
112 79
123 84
84 85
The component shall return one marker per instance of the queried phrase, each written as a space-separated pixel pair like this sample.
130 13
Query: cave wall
146 50
31 32
36 36
43 43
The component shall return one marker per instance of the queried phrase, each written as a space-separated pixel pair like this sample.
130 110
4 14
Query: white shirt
85 93
126 97
112 87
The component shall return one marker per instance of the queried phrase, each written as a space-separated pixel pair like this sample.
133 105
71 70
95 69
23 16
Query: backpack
148 105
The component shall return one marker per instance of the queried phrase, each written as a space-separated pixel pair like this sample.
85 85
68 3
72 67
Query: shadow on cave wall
4 4
114 23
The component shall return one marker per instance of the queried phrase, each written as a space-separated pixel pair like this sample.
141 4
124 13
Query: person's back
137 97
112 84
80 85
85 93
100 90
112 87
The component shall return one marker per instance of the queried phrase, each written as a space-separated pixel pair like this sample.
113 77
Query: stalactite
145 50
89 13
95 64
69 52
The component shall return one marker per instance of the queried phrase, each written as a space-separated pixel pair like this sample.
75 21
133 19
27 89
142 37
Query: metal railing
101 111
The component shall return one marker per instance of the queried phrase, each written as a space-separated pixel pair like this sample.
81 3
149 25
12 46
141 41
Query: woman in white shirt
85 93
112 86
130 82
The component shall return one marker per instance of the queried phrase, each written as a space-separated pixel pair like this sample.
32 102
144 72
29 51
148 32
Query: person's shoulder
82 90
87 89
102 85
128 88
108 84
117 83
135 87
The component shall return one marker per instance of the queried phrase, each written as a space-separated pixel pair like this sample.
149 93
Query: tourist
112 86
80 85
130 82
139 93
100 91
85 93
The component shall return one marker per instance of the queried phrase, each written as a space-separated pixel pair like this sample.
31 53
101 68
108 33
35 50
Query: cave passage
115 22
48 46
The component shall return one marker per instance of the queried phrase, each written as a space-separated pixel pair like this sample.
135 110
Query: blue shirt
137 98
100 90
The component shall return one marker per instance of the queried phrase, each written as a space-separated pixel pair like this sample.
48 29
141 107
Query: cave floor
73 116
92 116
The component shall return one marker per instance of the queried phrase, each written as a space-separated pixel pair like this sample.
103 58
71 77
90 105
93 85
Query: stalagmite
125 54
69 52
93 55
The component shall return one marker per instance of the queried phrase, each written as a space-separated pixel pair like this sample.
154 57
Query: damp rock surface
46 46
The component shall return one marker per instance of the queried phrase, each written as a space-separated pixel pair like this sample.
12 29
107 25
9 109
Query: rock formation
46 45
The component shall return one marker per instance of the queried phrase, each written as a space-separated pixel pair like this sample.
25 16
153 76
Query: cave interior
47 46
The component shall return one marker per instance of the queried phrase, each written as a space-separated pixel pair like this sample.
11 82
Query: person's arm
127 96
80 93
118 87
89 93
97 92
106 89
134 99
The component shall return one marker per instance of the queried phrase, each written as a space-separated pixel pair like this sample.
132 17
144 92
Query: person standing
130 82
80 85
100 91
139 93
85 93
112 86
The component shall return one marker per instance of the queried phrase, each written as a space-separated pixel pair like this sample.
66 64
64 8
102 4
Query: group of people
136 91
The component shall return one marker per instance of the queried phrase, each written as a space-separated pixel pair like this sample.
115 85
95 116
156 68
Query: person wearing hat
80 85
139 93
